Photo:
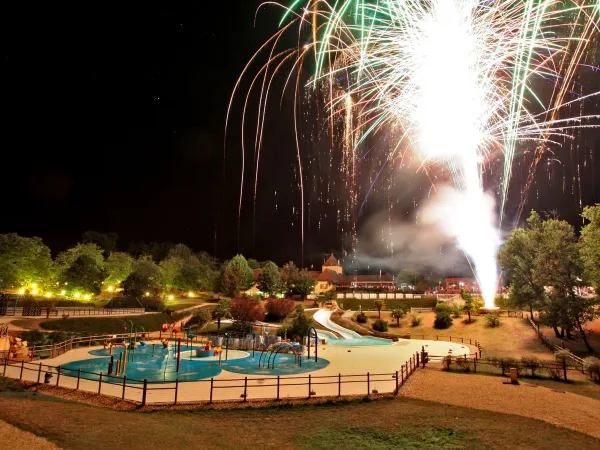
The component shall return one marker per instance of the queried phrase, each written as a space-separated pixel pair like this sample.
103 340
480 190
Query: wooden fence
575 360
213 389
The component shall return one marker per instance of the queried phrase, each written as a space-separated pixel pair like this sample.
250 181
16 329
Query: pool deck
343 360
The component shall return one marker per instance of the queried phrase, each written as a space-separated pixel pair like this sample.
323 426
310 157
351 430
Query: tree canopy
23 261
269 280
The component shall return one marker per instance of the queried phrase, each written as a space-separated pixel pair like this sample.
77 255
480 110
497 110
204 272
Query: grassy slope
513 338
397 423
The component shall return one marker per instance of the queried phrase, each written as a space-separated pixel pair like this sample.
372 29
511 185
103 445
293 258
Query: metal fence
214 389
67 311
574 359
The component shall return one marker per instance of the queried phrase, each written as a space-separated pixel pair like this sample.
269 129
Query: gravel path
489 393
12 437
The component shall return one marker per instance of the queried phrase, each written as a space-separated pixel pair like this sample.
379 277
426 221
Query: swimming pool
358 342
155 363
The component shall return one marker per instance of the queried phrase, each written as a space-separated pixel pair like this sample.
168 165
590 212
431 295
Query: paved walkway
560 408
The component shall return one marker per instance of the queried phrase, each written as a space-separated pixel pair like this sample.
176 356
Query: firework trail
455 80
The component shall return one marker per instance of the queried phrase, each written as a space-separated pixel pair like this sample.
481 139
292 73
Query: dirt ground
492 394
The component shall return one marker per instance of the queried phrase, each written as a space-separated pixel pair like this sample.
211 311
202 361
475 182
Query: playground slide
323 317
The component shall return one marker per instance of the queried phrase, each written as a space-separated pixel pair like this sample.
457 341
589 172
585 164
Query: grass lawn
102 325
395 423
353 303
514 337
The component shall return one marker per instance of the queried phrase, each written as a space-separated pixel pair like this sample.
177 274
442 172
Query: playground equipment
121 365
277 348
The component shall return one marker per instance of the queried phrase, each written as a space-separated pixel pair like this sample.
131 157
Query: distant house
454 285
331 277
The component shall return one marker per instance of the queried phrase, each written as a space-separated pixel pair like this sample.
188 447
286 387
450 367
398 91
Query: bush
456 312
153 303
492 320
416 321
592 366
380 325
279 308
297 328
532 363
555 372
443 307
562 355
361 317
200 318
464 363
442 320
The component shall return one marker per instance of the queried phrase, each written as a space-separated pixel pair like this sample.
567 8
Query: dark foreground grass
394 423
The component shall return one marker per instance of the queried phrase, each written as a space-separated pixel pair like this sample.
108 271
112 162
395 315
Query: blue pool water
159 364
358 342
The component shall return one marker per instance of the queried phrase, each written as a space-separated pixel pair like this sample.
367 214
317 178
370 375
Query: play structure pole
178 353
226 345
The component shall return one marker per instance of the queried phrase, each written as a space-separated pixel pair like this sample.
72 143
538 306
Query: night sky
114 121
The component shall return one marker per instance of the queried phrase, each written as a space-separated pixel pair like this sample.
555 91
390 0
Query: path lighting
77 295
190 294
35 292
110 289
33 285
86 297
147 294
48 295
171 297
21 291
63 292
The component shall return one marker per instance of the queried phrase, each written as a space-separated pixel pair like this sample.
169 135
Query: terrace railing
70 311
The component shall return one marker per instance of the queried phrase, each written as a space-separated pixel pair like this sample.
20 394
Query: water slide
323 317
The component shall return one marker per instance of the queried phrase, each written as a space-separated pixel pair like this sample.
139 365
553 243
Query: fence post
564 361
32 352
21 375
339 384
124 384
39 373
309 385
402 373
436 337
418 362
100 384
176 389
144 392
245 388
78 378
396 392
54 350
278 387
90 342
368 384
475 364
58 375
211 389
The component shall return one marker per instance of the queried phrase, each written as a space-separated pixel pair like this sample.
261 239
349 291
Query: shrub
592 366
153 303
554 371
464 363
200 318
299 309
443 307
492 320
380 325
456 312
297 328
532 363
279 308
562 355
442 320
416 321
361 317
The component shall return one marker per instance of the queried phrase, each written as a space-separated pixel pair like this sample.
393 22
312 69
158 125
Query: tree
24 261
170 269
237 276
289 275
269 280
180 251
254 264
245 309
298 327
107 241
156 250
519 263
304 284
279 308
146 277
380 325
379 304
85 274
65 259
200 318
118 265
589 246
222 310
398 314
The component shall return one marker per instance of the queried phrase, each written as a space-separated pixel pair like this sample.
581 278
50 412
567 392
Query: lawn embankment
394 423
354 304
104 325
514 337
